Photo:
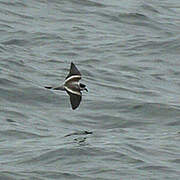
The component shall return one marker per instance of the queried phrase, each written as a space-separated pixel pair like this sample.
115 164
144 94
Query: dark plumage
72 86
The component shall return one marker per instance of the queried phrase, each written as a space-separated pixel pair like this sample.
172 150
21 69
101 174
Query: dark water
129 54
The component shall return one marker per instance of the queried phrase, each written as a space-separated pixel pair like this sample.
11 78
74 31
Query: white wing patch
73 92
72 77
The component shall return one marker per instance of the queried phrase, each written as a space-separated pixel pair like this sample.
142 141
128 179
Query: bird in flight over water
72 86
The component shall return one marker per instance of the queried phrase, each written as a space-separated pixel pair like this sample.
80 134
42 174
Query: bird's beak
85 89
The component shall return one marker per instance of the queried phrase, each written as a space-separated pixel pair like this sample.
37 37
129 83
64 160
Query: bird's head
83 87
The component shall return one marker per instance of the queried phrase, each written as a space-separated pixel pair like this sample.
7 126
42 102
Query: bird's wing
73 71
75 99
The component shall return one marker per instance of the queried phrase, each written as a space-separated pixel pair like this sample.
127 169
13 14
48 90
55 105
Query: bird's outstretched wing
74 99
73 71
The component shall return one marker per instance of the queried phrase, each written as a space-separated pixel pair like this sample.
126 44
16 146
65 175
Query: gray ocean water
128 53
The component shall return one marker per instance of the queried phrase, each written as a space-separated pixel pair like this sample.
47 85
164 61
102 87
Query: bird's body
72 86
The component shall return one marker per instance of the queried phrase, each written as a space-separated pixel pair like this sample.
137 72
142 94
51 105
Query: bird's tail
55 88
48 87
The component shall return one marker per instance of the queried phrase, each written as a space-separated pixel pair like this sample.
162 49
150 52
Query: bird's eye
82 85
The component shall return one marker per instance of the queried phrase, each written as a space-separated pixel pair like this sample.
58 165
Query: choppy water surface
129 55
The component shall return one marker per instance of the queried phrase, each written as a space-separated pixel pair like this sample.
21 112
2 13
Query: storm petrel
72 86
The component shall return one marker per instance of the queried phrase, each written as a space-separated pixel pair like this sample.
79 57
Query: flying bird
72 86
